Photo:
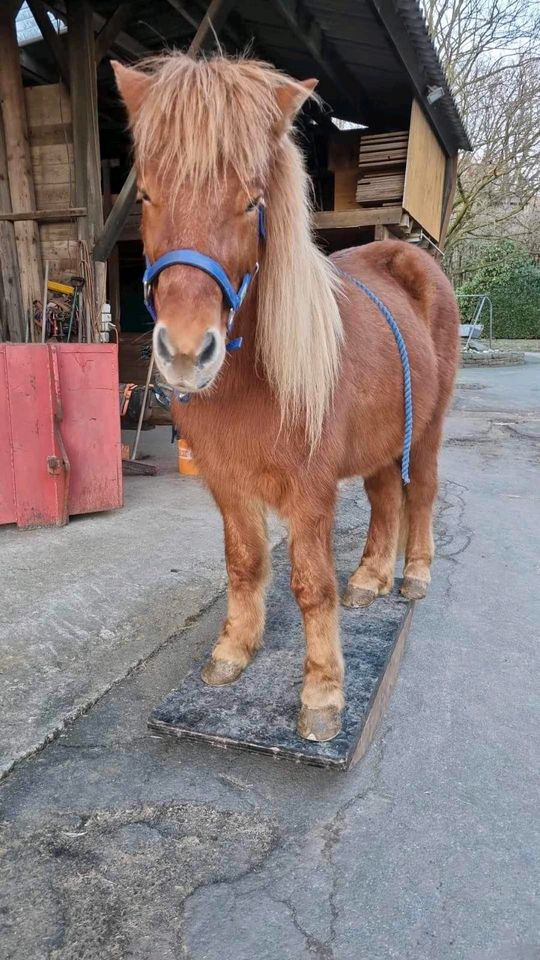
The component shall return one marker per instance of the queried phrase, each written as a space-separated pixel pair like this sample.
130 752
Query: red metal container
60 448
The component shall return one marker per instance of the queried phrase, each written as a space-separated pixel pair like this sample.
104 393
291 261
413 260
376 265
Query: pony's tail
403 524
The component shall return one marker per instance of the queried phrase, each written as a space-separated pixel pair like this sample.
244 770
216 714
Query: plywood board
424 176
258 713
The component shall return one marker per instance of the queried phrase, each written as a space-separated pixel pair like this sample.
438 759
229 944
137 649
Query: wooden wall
424 175
48 110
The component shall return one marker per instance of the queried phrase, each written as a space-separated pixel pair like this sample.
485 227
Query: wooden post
11 305
19 165
211 22
113 263
82 67
382 232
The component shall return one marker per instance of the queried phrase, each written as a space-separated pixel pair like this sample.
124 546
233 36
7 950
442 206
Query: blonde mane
200 118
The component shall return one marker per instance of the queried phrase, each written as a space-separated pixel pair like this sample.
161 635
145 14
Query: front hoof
413 589
320 725
216 673
358 597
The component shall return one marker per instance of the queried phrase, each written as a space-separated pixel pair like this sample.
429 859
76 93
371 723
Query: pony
315 394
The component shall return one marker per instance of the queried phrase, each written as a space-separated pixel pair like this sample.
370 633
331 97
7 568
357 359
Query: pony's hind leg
420 497
375 575
313 583
246 551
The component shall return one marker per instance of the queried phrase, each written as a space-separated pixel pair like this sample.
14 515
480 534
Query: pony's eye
144 196
253 204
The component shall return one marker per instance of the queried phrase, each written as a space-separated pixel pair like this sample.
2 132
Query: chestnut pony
316 392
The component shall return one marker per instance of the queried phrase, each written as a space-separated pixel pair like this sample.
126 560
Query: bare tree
490 50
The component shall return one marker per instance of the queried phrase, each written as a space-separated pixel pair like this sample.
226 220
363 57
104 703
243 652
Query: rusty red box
60 449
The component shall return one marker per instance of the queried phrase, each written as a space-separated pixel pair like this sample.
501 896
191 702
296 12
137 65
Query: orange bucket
186 463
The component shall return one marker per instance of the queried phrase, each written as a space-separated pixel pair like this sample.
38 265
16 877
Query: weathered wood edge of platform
366 730
382 693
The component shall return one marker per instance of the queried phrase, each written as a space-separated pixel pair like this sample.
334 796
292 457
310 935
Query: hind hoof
413 589
216 673
319 725
358 597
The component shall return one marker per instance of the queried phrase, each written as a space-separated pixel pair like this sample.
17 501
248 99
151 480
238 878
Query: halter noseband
193 258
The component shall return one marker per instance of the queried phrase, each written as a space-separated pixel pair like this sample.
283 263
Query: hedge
512 280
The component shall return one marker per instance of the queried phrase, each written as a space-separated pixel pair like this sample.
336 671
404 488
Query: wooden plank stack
382 161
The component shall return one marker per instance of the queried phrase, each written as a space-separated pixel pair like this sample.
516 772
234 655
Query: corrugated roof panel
27 28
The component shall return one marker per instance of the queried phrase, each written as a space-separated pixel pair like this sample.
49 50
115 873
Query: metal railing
480 301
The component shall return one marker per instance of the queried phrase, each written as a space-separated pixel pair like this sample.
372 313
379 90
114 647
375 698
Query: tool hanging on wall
78 284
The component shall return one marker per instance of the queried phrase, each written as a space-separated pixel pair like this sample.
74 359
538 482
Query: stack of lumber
48 110
382 161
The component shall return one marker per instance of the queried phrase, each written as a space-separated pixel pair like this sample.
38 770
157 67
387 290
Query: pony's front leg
246 551
314 585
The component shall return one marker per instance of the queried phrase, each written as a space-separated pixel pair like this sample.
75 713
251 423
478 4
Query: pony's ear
291 98
132 85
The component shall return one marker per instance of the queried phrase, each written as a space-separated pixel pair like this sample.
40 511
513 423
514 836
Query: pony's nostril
208 349
162 345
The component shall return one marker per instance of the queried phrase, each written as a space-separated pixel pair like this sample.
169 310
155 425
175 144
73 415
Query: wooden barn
382 152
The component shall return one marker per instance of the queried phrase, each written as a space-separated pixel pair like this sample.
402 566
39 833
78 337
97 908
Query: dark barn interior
381 151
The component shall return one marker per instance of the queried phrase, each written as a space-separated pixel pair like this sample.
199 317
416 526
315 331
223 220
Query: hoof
358 597
413 589
320 725
218 672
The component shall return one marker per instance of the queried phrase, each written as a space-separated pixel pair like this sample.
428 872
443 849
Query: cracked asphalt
119 844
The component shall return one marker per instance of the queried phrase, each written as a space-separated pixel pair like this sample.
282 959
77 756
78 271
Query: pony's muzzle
188 365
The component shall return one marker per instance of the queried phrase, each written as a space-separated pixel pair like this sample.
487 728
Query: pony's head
213 140
206 135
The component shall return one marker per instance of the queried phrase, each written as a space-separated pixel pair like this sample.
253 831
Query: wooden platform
258 712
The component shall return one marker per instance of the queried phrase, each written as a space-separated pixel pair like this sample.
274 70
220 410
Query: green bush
512 281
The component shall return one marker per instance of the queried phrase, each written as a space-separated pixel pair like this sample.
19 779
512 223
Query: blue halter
192 258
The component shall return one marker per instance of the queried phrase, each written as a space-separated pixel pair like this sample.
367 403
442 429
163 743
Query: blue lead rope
407 390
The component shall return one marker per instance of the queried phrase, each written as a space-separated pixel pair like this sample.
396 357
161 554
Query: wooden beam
126 45
117 218
179 7
210 25
11 303
308 32
19 164
84 117
212 21
41 16
366 217
113 263
450 181
42 216
86 152
110 30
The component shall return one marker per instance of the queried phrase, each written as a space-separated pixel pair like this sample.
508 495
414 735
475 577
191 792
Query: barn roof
372 57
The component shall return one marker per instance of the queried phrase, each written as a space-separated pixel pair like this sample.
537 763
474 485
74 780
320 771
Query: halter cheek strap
192 258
